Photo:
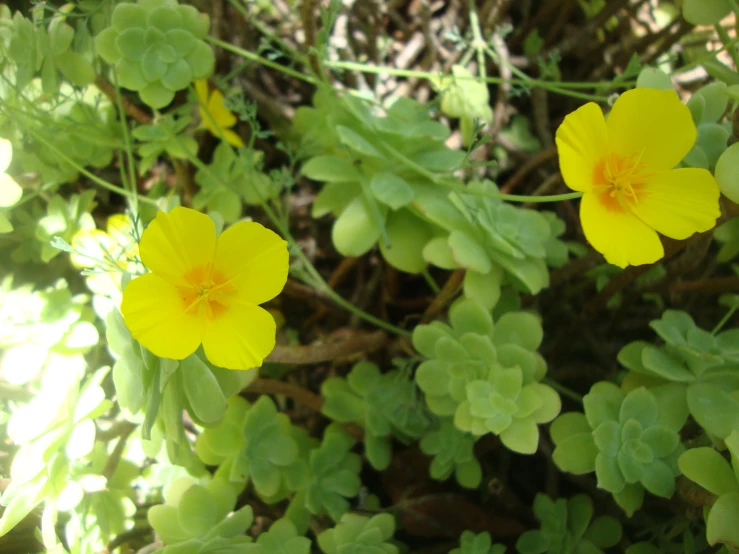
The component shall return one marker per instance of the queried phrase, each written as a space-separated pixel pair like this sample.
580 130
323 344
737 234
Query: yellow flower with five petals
206 289
214 115
625 167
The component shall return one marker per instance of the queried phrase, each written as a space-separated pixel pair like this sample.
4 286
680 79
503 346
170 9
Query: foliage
355 533
469 543
157 48
702 364
384 404
403 175
631 441
710 470
195 518
487 375
567 527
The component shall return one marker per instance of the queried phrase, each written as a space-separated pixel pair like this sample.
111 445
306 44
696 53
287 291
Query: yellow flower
10 191
109 252
204 289
625 168
215 116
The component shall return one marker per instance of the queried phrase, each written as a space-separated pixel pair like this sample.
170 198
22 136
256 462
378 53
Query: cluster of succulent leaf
52 52
157 48
703 365
486 375
631 440
567 527
387 180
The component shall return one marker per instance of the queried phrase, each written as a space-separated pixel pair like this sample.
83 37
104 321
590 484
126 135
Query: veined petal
175 244
652 124
679 202
618 234
6 154
253 260
10 191
155 314
582 142
201 89
239 336
232 138
222 116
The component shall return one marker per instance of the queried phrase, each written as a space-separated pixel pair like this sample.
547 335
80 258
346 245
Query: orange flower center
619 181
207 291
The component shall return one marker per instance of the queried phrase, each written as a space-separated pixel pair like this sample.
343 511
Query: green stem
724 319
725 40
430 281
478 42
259 59
569 393
94 178
132 183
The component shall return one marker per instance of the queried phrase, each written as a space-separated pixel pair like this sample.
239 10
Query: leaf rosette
631 440
157 48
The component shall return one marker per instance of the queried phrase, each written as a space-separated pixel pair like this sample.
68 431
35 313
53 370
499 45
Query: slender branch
445 296
291 390
131 109
316 353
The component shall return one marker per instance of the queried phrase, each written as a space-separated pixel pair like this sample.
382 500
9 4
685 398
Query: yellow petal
201 89
177 243
222 117
6 154
679 202
155 314
254 260
654 125
582 142
91 246
617 233
240 336
232 138
10 191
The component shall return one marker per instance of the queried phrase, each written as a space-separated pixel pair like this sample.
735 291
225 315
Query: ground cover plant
297 276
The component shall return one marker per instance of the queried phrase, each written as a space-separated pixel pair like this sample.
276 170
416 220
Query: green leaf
709 469
76 69
483 287
357 142
129 15
408 236
521 328
468 253
576 454
721 527
355 231
715 410
331 169
727 172
604 532
705 12
392 190
196 511
202 390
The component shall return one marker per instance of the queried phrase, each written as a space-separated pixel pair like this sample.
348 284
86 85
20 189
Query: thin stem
726 318
132 183
259 59
478 42
384 70
725 40
430 281
569 393
94 178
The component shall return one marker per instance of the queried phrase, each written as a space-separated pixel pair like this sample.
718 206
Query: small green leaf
392 190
